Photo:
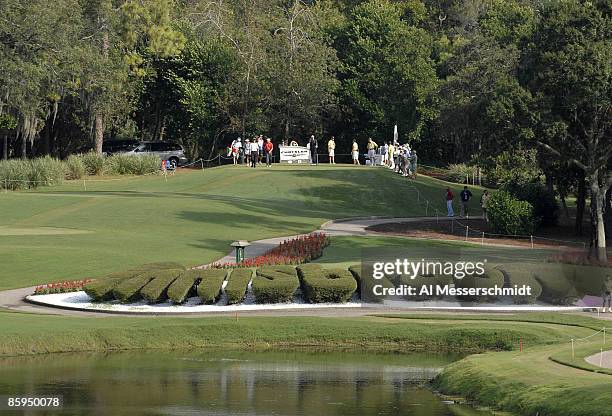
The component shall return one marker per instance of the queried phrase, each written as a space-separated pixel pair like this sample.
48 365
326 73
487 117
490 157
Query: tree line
517 87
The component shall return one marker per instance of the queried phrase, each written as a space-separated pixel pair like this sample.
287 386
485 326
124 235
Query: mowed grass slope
190 218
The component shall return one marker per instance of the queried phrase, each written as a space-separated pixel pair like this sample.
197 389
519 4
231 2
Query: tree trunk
608 212
99 132
580 203
5 147
598 196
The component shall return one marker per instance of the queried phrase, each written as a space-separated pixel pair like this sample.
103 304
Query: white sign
294 154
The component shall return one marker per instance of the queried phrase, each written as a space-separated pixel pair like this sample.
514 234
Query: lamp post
240 245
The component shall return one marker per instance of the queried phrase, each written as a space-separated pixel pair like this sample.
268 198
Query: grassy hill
67 232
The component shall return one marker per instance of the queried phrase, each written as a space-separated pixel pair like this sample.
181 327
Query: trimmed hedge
102 289
209 289
520 275
491 277
556 287
237 285
183 286
365 286
275 284
157 289
128 290
327 285
425 280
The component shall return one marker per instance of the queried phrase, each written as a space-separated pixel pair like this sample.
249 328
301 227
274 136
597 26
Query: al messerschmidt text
448 290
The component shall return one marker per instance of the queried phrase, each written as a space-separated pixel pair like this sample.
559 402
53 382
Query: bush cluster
460 172
520 275
491 277
509 215
209 289
543 201
424 280
128 290
157 289
327 285
45 171
365 284
275 284
557 287
237 285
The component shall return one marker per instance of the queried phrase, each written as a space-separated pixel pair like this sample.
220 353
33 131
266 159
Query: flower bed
61 287
298 250
275 284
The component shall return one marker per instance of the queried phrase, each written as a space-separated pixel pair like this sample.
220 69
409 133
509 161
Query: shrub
492 277
275 284
460 172
556 286
14 174
588 280
45 171
365 284
327 285
209 289
183 286
544 203
508 215
102 288
75 168
119 164
519 274
237 285
128 290
157 289
94 163
426 280
516 166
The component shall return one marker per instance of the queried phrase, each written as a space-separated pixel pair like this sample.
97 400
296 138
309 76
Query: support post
531 238
573 351
467 231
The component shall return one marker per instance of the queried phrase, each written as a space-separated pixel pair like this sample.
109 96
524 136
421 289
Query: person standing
483 204
313 150
449 202
390 162
236 146
465 197
268 148
254 153
384 153
247 151
331 149
260 147
413 164
372 146
607 294
355 152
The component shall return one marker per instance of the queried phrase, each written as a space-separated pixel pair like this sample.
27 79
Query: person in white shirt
236 145
254 153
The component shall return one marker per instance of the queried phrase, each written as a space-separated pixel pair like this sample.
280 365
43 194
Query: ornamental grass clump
45 171
209 289
75 168
157 289
275 284
327 285
129 290
14 174
94 163
183 286
237 285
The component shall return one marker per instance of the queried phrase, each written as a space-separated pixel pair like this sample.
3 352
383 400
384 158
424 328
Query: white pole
482 238
531 237
467 230
84 185
600 357
573 352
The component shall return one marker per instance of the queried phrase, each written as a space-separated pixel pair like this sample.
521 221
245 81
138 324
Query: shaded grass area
564 355
190 219
33 334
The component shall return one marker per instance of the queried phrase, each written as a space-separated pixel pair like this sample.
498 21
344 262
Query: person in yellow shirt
372 146
355 152
390 158
331 149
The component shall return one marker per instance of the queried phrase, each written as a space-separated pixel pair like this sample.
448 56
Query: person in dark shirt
465 197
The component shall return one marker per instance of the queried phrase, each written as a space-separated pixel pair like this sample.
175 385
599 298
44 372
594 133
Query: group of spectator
464 199
252 151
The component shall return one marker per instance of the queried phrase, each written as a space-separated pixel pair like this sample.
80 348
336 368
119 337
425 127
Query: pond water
232 383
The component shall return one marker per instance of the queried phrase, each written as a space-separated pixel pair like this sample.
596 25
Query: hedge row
128 290
157 289
520 275
209 289
275 284
237 285
329 285
184 286
425 280
365 284
492 277
557 288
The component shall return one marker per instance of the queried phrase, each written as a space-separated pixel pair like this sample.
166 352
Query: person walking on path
372 146
268 148
247 151
355 152
313 150
413 164
465 197
331 149
449 202
254 153
484 199
607 294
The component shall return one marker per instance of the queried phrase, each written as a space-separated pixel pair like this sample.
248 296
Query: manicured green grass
191 218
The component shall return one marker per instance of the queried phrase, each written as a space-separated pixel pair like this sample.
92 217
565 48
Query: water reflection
231 383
